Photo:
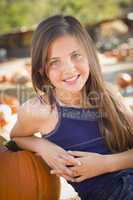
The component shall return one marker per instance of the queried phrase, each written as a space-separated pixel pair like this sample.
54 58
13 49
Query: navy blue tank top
78 130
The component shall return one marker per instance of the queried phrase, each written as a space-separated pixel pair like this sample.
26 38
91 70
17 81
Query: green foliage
87 11
18 13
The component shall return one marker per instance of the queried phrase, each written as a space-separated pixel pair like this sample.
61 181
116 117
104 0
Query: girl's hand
58 159
92 164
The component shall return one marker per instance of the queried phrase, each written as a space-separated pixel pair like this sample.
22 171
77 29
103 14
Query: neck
68 98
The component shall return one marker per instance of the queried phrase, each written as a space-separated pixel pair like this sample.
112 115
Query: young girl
87 131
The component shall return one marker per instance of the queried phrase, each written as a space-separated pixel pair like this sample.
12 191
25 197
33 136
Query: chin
73 89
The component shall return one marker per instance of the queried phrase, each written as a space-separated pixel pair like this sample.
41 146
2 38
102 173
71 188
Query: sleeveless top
78 130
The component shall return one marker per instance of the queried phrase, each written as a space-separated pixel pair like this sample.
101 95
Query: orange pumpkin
5 78
123 80
25 176
11 101
2 122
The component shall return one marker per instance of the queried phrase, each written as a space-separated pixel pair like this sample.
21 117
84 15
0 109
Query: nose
69 65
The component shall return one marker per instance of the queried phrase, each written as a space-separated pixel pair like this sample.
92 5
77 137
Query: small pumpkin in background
10 101
124 80
25 176
5 78
2 122
5 115
20 77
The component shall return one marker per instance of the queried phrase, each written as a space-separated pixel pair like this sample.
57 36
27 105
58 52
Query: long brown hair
115 124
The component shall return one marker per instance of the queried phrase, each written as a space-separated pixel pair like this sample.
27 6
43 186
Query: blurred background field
110 24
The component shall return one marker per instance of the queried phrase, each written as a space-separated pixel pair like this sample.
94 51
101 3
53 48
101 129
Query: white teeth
72 79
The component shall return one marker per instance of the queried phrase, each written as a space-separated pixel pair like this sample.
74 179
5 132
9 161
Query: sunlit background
110 24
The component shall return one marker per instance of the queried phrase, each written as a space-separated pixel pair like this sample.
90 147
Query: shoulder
34 109
31 116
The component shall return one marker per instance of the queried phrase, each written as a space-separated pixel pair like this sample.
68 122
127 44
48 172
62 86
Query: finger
67 171
53 163
70 160
68 178
63 160
75 171
73 162
66 156
77 153
57 172
57 162
61 166
60 163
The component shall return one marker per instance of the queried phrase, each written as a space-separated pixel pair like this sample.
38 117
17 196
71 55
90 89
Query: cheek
84 68
54 77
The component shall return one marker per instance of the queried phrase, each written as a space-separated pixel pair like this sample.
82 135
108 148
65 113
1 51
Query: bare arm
94 164
122 160
30 121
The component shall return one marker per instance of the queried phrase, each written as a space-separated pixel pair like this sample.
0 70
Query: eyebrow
55 58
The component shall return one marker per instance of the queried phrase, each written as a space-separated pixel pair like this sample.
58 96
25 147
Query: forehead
64 45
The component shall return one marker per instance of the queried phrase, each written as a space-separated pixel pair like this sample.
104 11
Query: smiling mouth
74 78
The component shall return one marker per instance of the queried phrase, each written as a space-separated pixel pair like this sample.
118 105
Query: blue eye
54 64
76 56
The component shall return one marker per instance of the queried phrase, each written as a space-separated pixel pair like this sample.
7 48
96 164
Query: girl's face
67 64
